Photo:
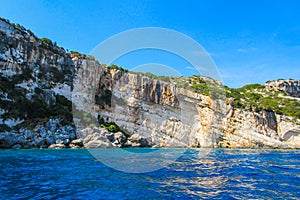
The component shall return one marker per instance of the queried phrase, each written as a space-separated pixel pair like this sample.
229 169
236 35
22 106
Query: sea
190 174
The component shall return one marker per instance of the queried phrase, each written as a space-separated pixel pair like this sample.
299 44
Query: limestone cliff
36 83
291 87
264 129
171 116
163 113
42 86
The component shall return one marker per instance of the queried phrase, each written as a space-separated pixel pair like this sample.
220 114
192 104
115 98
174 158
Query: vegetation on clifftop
256 98
114 67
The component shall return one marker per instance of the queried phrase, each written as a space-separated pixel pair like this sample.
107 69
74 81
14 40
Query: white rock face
291 87
168 116
265 129
11 122
9 30
163 114
64 90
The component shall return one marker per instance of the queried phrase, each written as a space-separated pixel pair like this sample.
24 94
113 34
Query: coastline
48 92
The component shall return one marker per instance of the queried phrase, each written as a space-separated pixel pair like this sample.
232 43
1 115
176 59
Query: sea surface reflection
198 173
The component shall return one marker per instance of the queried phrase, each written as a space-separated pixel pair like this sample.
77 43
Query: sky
249 41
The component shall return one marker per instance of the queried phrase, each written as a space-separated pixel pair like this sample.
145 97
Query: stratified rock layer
151 112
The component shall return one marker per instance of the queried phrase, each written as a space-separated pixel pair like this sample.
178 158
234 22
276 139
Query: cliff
47 93
171 115
290 87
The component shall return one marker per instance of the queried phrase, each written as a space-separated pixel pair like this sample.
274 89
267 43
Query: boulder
39 142
26 133
52 124
144 142
59 141
7 139
119 138
110 136
73 146
49 140
85 132
99 144
137 140
20 139
77 142
56 146
94 138
17 146
135 137
43 132
66 141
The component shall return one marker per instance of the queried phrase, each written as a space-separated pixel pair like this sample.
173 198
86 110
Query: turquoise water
220 174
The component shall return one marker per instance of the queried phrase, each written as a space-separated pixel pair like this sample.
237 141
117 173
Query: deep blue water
220 174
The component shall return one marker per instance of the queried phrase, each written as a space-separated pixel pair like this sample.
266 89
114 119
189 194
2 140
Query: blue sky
250 41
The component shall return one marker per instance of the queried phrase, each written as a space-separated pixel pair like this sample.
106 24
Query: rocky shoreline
55 135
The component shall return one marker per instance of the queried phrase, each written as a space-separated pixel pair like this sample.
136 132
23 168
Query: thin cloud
242 50
190 67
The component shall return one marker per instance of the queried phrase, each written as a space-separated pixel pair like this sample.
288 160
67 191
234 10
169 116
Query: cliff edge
53 98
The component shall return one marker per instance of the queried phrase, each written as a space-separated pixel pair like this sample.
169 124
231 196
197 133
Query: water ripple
219 174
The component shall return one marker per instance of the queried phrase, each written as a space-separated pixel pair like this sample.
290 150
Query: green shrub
24 76
247 97
4 127
57 75
34 110
201 88
37 90
116 67
90 57
112 128
150 75
92 125
252 87
76 54
46 42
